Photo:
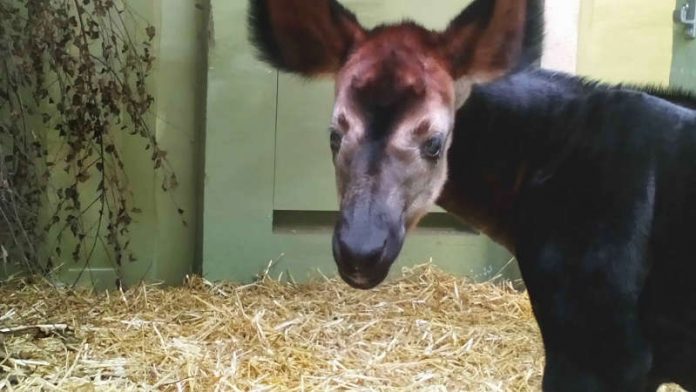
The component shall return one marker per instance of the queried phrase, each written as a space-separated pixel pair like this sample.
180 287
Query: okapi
592 187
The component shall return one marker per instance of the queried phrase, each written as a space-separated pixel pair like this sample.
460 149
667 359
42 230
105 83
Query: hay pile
424 331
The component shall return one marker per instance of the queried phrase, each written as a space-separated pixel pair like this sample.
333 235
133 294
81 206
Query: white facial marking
427 177
462 91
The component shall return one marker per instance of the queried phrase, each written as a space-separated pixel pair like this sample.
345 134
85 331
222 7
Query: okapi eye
335 139
432 148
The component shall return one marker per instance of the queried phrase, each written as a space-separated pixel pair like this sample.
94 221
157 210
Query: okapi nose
360 253
359 250
366 241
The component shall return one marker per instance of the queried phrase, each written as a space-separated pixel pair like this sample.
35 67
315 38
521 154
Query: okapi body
591 187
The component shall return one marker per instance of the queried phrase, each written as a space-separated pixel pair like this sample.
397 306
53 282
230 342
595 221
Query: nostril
352 268
360 256
362 247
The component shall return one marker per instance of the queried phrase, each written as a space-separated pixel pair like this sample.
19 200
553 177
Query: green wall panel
304 177
627 41
166 249
239 151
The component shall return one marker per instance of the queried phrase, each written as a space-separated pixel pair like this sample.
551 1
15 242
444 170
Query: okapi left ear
308 37
486 40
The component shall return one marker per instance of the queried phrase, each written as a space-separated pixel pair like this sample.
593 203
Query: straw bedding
424 331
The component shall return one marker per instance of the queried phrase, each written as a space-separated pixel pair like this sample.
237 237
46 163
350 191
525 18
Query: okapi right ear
488 38
308 37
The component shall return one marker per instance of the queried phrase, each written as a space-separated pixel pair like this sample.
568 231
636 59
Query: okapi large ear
308 37
486 40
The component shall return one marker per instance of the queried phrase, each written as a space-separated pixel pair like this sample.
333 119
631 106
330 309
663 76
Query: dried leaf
150 30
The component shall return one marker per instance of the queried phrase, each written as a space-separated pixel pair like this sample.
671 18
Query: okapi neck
500 138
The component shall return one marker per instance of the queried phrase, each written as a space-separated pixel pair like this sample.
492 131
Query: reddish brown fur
422 129
312 37
487 49
389 67
400 65
343 123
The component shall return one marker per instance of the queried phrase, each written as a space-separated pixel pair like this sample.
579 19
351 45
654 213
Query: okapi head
395 104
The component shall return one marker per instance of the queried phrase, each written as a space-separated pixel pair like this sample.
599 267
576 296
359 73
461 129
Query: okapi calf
592 187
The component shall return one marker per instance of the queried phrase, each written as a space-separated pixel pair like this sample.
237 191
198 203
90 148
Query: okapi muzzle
371 227
367 239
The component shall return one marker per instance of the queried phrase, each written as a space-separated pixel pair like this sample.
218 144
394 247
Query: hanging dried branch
73 81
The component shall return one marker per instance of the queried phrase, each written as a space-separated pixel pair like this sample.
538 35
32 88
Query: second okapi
591 187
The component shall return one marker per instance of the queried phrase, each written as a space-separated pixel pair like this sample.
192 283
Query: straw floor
425 331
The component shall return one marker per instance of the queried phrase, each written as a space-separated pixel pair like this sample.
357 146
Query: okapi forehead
394 71
394 79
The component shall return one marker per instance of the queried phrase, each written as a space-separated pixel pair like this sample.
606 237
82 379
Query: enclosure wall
626 41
